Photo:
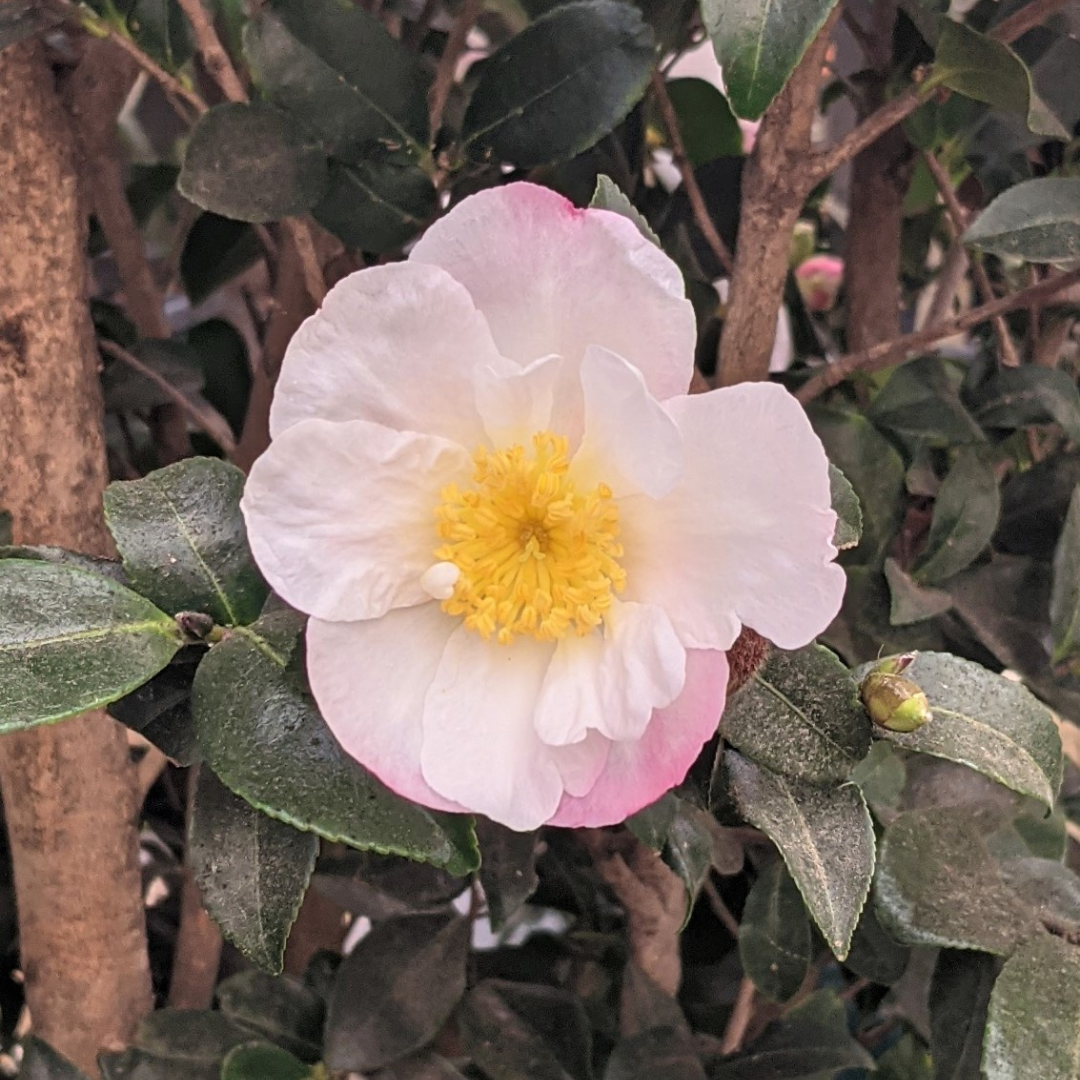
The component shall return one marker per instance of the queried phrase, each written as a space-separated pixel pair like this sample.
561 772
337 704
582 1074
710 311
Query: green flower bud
894 702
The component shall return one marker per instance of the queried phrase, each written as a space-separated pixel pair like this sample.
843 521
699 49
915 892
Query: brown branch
950 278
892 352
720 909
211 52
959 221
452 50
206 418
686 171
740 1018
1027 18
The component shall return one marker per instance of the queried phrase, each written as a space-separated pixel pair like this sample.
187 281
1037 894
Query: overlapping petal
550 278
339 515
745 539
396 345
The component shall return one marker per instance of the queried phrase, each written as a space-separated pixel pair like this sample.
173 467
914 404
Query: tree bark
68 789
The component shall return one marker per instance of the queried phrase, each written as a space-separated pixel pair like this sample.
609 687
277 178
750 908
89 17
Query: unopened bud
894 702
818 279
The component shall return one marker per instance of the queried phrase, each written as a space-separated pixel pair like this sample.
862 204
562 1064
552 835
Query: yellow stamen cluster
536 556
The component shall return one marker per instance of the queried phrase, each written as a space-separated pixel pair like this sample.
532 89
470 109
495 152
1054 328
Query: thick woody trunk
68 789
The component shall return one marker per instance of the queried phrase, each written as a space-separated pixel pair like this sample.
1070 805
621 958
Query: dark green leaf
909 601
986 722
41 1062
921 401
376 206
873 468
278 1009
987 70
800 715
252 870
774 934
608 196
689 848
226 369
758 44
874 954
520 1031
190 1041
215 251
507 869
1052 889
1026 1035
338 71
825 836
812 1041
708 126
845 503
5 530
1034 504
1037 220
109 568
386 886
160 710
183 541
959 994
652 825
966 513
252 163
261 1061
1016 397
659 1052
937 884
135 1064
907 1059
395 990
262 735
72 641
561 84
1065 593
880 775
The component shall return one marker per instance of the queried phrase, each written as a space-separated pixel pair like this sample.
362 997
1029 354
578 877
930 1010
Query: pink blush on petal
638 773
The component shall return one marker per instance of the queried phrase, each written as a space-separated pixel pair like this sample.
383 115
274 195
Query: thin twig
447 69
959 220
212 53
686 171
720 909
740 1018
1027 18
892 352
206 419
299 231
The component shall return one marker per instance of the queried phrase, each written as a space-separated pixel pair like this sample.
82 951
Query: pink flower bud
818 279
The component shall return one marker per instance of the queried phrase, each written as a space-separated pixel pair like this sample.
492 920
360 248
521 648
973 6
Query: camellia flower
818 279
523 548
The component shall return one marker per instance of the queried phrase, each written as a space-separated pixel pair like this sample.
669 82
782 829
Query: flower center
534 555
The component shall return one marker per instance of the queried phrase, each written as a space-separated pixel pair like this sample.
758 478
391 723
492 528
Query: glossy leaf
1016 397
708 127
216 250
507 869
987 70
252 163
608 196
991 724
758 44
937 884
277 1009
959 993
262 735
825 836
395 990
374 205
520 1031
774 934
1026 1036
966 513
560 85
160 709
845 504
261 1061
1036 220
875 955
910 602
183 541
1065 594
252 870
72 641
800 715
41 1062
337 70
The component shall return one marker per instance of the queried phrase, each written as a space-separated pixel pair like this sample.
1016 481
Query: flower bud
818 279
803 242
894 702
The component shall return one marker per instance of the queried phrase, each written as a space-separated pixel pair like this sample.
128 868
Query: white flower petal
396 345
551 278
582 763
639 771
480 746
611 682
746 536
630 443
515 402
369 679
341 516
